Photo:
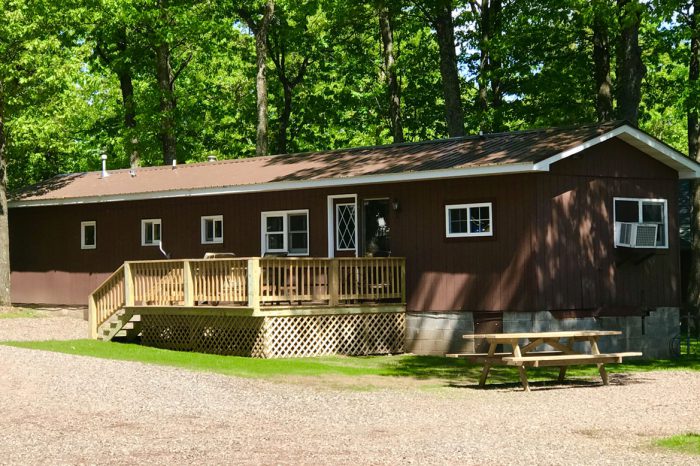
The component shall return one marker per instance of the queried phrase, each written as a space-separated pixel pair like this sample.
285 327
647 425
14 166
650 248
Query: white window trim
337 218
203 223
640 201
467 206
91 223
143 231
285 231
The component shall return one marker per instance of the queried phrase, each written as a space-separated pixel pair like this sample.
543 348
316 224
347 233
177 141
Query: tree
258 19
113 47
438 13
390 75
601 60
630 68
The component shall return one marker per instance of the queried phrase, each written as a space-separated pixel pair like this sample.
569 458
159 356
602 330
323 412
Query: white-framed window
285 232
639 211
150 232
345 226
466 220
213 229
88 235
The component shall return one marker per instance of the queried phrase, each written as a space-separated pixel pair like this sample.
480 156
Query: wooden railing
255 283
107 299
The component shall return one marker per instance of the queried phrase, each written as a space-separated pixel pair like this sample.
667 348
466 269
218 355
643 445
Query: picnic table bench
530 353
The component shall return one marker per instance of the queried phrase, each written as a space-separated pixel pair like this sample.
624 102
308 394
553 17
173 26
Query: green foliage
63 102
685 443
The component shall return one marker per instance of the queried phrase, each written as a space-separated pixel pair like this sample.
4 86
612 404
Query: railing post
334 282
254 284
402 264
189 283
128 285
92 318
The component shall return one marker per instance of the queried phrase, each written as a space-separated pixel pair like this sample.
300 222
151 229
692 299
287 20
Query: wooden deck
268 307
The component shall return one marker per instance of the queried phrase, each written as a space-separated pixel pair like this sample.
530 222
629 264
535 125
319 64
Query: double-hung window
213 229
286 232
632 215
88 235
466 220
150 232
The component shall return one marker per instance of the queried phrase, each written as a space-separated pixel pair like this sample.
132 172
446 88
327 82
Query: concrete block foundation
438 333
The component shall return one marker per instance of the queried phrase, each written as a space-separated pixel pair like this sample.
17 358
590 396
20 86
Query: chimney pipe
104 166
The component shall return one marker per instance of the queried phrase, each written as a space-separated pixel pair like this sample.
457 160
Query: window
213 229
464 220
345 227
88 235
286 232
150 232
651 212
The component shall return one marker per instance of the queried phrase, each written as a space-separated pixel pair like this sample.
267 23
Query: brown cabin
536 229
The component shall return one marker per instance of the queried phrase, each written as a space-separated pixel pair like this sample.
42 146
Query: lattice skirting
277 337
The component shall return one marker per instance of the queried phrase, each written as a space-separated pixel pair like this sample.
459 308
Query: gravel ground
62 409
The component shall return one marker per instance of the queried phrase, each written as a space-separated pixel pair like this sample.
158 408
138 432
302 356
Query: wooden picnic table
531 354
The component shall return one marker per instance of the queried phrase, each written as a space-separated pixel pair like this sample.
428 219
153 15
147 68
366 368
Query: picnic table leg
484 374
562 374
601 367
523 378
487 366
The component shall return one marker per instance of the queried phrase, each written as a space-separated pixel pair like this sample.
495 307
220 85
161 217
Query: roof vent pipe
104 166
211 158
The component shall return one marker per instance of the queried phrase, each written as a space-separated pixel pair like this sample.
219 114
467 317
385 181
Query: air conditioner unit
635 235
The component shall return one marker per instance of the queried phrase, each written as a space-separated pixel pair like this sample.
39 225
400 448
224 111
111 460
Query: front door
376 229
345 226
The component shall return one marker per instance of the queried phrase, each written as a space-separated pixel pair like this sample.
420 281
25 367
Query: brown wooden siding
552 246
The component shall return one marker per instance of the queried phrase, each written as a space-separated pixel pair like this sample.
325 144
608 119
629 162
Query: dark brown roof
519 147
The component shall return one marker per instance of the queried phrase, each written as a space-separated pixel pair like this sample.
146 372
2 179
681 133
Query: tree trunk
164 72
490 93
392 81
631 70
5 299
285 116
127 88
694 152
444 29
260 30
601 62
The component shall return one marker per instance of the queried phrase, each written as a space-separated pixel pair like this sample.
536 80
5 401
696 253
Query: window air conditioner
636 235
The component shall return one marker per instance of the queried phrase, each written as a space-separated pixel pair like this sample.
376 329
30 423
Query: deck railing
256 283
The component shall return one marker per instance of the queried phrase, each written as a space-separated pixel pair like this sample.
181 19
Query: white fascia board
292 185
687 169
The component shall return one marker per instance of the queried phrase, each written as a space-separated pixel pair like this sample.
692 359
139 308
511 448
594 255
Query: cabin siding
552 247
578 266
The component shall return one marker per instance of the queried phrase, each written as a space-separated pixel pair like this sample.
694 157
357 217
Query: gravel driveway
62 409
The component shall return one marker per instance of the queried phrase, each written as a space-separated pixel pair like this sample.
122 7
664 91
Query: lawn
18 313
687 443
353 372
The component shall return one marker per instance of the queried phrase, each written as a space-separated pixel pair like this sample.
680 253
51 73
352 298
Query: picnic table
531 353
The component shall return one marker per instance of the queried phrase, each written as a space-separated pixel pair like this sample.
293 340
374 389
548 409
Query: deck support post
334 282
128 285
254 284
92 318
188 283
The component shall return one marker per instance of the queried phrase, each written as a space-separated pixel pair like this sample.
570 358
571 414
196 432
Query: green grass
352 372
686 443
19 313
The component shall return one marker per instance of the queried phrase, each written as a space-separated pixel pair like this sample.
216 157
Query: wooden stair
124 324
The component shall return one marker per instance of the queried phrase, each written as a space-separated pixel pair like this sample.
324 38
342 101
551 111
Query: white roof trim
687 169
291 185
